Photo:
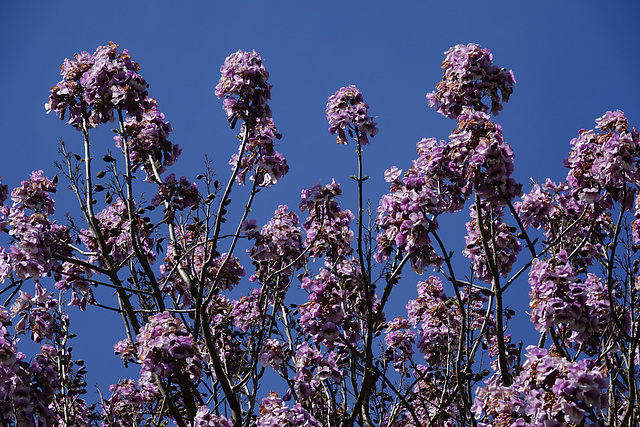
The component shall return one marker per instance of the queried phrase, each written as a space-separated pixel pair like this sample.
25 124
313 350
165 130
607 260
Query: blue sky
573 61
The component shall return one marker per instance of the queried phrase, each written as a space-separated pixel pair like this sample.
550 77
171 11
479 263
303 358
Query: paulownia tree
305 341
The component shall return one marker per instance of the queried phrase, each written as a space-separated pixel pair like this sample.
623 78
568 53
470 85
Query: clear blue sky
573 61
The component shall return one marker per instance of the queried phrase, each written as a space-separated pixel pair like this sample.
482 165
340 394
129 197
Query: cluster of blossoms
246 311
35 313
347 110
606 160
558 299
165 348
327 228
271 354
260 155
503 245
34 194
243 84
204 418
129 402
115 231
74 277
482 157
469 75
192 253
177 194
438 320
274 412
96 84
549 390
29 392
311 370
146 138
35 238
571 221
399 340
336 305
277 251
440 180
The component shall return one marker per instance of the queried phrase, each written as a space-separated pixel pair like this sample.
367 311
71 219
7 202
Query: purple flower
276 414
166 348
549 390
243 84
469 76
192 252
277 251
97 84
147 138
204 418
34 194
605 160
347 110
129 402
328 226
260 156
502 244
115 229
177 194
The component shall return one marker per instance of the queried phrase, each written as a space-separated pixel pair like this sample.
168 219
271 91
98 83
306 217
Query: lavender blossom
275 413
346 109
97 84
243 84
469 76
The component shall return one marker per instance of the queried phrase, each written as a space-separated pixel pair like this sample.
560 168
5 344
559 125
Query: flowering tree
299 345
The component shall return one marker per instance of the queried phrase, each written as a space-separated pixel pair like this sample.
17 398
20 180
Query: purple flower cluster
34 194
469 76
327 228
246 312
312 369
335 306
146 137
74 277
192 252
271 354
35 313
605 160
558 299
166 348
440 180
483 158
243 84
278 248
129 402
274 413
502 244
573 222
347 110
260 155
27 390
115 229
204 418
438 320
178 194
549 391
400 340
96 84
34 238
